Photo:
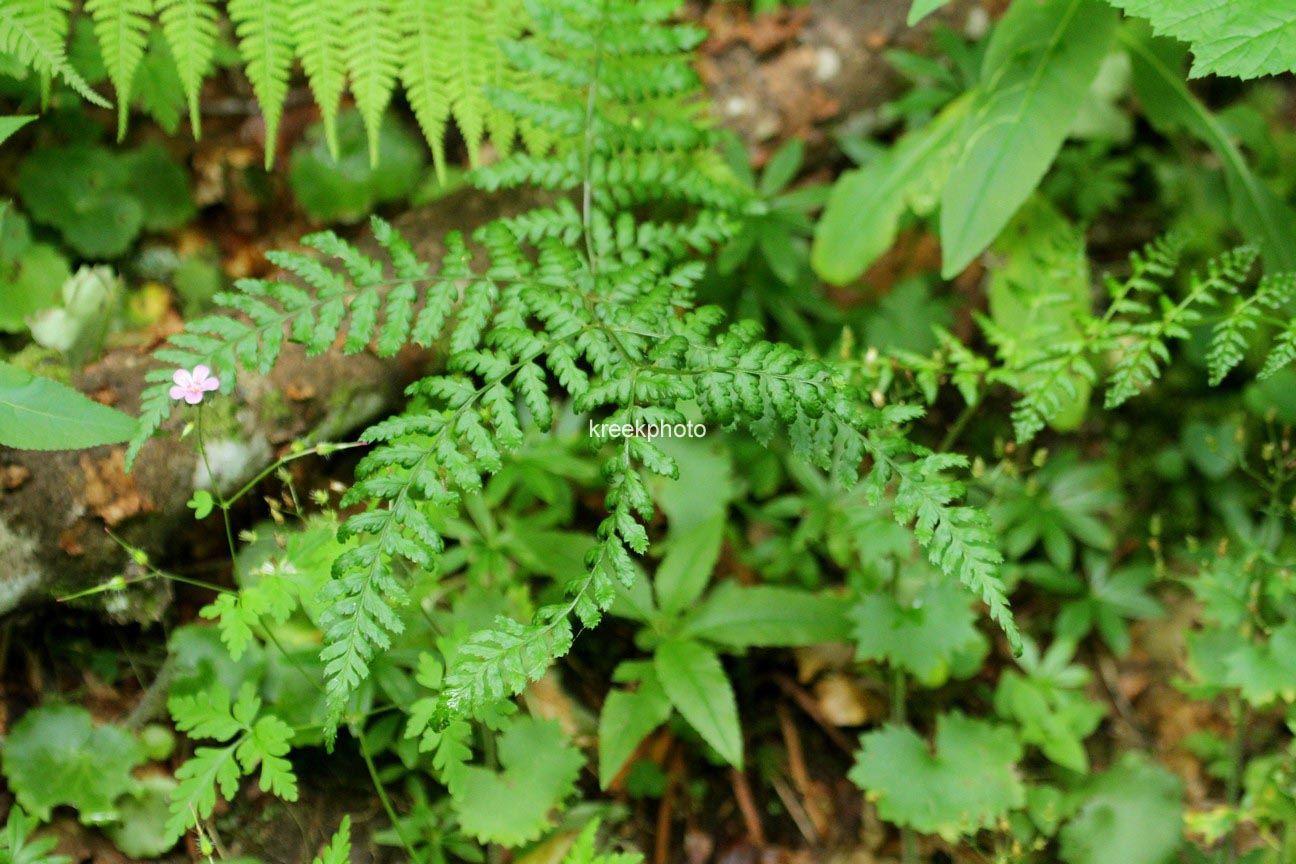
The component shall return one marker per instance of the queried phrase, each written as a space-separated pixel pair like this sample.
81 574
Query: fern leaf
265 36
420 72
320 27
373 42
1282 353
31 30
1229 339
190 30
122 27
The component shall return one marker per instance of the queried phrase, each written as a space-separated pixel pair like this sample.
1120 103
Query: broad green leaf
696 683
968 783
1244 39
767 616
864 208
1042 58
922 8
55 755
706 481
923 637
511 806
1131 814
1261 216
10 125
628 716
691 556
31 285
40 414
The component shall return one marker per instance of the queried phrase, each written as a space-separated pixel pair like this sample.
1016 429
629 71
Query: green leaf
55 755
767 616
969 783
922 637
864 208
511 806
922 8
1131 814
1243 39
142 830
10 125
348 187
691 555
1260 214
32 285
1042 58
627 718
338 850
16 847
40 414
696 683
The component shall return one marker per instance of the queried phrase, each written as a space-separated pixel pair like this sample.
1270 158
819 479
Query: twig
799 774
796 810
808 705
661 849
747 806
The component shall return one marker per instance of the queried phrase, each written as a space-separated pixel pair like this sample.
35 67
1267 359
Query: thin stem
1233 787
383 797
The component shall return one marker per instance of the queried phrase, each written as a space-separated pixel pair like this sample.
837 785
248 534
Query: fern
320 29
582 304
266 41
371 56
1145 348
122 28
190 29
1230 337
34 32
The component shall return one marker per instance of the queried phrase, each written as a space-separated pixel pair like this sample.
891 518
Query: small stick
747 806
807 703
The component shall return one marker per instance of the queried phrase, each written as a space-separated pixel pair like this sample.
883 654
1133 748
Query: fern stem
587 148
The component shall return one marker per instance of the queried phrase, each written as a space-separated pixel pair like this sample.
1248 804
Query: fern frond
372 62
33 31
1229 339
122 28
1282 353
266 40
1139 363
190 30
320 27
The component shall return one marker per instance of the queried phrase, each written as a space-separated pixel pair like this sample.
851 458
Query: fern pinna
445 54
588 301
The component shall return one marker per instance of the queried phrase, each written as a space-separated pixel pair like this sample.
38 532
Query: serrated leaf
1245 40
628 716
697 686
922 637
968 783
691 555
511 806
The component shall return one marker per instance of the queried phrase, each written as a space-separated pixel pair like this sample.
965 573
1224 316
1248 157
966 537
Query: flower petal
200 373
193 397
178 392
182 377
212 383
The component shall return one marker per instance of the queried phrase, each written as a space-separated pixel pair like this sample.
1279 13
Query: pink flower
190 386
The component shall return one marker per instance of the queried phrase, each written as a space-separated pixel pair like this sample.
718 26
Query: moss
274 410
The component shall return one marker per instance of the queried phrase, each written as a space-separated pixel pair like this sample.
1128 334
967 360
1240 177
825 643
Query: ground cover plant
913 482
